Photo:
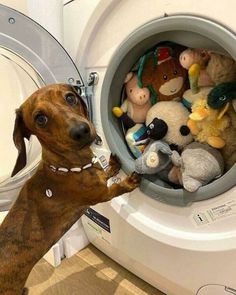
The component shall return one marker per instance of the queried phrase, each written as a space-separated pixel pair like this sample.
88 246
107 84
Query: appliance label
103 161
99 224
214 213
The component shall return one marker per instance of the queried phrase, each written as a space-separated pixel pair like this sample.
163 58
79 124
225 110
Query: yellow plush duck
208 125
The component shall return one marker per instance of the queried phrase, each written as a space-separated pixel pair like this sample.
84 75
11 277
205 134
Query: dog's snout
80 131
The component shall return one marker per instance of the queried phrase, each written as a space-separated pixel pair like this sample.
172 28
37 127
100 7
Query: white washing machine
181 243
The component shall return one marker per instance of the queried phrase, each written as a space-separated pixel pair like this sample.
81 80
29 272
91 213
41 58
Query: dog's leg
114 166
125 186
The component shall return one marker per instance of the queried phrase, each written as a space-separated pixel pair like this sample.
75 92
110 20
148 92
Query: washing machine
181 243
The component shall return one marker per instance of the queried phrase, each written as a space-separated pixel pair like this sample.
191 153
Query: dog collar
74 169
54 169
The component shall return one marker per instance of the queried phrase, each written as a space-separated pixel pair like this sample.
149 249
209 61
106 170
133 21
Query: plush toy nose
157 129
80 131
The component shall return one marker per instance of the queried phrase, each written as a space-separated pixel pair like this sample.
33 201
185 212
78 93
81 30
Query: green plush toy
221 95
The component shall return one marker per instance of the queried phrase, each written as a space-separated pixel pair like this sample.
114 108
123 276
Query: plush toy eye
130 90
71 99
41 120
165 77
184 130
222 98
175 72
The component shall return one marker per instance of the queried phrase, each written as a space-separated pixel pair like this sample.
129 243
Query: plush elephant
199 164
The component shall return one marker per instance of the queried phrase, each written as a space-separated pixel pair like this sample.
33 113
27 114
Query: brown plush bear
167 77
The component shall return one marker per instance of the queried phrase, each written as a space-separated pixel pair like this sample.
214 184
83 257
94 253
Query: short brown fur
36 222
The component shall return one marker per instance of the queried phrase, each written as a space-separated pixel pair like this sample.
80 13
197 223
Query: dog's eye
41 120
71 99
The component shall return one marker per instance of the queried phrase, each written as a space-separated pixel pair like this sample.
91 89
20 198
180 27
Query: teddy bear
138 101
162 73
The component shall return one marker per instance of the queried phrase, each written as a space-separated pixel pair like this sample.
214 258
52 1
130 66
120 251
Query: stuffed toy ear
128 77
20 132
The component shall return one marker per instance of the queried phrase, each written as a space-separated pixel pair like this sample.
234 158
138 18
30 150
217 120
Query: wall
20 5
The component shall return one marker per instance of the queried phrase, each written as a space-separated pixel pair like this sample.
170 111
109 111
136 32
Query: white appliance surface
180 250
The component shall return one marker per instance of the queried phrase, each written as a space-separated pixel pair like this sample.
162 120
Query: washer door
29 58
189 31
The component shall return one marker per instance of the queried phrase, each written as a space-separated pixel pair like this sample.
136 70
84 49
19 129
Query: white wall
20 5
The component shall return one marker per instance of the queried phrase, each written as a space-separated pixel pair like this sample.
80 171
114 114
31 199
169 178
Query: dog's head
58 116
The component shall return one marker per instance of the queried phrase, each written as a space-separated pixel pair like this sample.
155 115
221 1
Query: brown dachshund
67 181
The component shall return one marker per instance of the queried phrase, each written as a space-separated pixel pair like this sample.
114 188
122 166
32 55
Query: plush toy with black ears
167 120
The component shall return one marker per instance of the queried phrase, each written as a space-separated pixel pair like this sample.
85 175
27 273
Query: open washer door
30 57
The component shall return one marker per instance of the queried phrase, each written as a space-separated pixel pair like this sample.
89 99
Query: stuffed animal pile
179 115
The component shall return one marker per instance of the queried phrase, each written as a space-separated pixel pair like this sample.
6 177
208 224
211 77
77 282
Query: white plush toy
167 120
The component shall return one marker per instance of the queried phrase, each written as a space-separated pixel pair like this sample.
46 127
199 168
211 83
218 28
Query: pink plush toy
214 68
138 99
197 56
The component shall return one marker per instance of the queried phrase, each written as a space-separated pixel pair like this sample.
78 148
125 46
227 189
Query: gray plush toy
156 158
198 165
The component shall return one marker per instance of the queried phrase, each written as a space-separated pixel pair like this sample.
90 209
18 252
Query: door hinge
87 93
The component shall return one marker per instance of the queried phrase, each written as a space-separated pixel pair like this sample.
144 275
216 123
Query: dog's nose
80 131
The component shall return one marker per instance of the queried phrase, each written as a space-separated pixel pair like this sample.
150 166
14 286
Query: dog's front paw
114 163
134 180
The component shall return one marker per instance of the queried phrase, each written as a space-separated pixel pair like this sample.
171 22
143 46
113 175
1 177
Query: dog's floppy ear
20 132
